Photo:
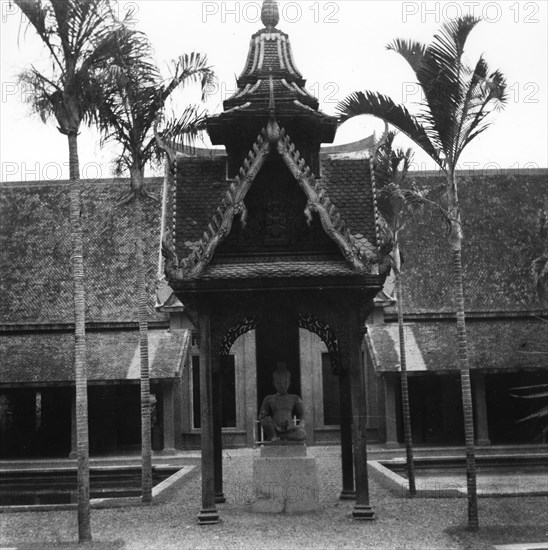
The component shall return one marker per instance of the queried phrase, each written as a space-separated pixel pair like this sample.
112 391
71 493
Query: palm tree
79 36
134 97
398 199
458 100
539 266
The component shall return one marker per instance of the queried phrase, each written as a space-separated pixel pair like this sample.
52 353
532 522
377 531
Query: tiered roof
271 68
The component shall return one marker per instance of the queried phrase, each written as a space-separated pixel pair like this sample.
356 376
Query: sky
339 47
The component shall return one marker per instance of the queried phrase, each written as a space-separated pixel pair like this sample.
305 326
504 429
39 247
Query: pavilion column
480 409
345 403
362 508
169 418
208 513
390 412
218 430
73 437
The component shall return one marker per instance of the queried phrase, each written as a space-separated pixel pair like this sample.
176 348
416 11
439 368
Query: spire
271 80
270 14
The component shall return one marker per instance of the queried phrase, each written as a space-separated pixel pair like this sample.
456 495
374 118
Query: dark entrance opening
277 341
436 410
114 418
504 410
35 422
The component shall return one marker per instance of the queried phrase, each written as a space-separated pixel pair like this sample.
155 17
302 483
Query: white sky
339 46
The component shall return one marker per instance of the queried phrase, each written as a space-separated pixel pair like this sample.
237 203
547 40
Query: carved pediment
274 214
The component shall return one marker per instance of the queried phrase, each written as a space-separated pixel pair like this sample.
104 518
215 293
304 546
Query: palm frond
411 50
537 415
186 69
381 106
543 387
39 15
484 91
134 97
80 36
40 92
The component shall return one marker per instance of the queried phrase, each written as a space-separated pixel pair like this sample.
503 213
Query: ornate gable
272 209
359 252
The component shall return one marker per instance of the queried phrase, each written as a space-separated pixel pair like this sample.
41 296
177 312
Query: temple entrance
277 341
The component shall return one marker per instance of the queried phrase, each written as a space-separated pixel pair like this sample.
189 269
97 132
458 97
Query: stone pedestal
285 480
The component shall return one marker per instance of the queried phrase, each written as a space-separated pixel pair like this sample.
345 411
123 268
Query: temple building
268 250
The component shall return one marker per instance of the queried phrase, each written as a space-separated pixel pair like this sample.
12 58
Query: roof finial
270 14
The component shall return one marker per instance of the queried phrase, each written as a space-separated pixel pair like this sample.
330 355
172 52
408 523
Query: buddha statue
279 410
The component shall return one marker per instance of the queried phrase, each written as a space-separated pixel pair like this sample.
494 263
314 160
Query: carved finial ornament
270 16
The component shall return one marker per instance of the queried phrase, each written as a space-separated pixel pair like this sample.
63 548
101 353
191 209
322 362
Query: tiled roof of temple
501 239
206 207
500 213
430 346
35 266
32 358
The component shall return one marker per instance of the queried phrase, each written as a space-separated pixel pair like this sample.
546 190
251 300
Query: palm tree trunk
80 374
455 240
146 438
407 434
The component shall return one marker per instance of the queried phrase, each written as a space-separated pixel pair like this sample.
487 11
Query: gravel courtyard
170 522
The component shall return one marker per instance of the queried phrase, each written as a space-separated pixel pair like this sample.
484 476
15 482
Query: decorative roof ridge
221 221
356 248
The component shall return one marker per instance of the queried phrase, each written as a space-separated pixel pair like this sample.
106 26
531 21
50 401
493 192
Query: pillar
362 508
345 404
208 513
218 432
480 409
390 412
169 418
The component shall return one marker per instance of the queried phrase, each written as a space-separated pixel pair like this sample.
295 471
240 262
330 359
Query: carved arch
232 334
325 332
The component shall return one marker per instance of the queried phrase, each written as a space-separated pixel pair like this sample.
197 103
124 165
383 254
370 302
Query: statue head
281 378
